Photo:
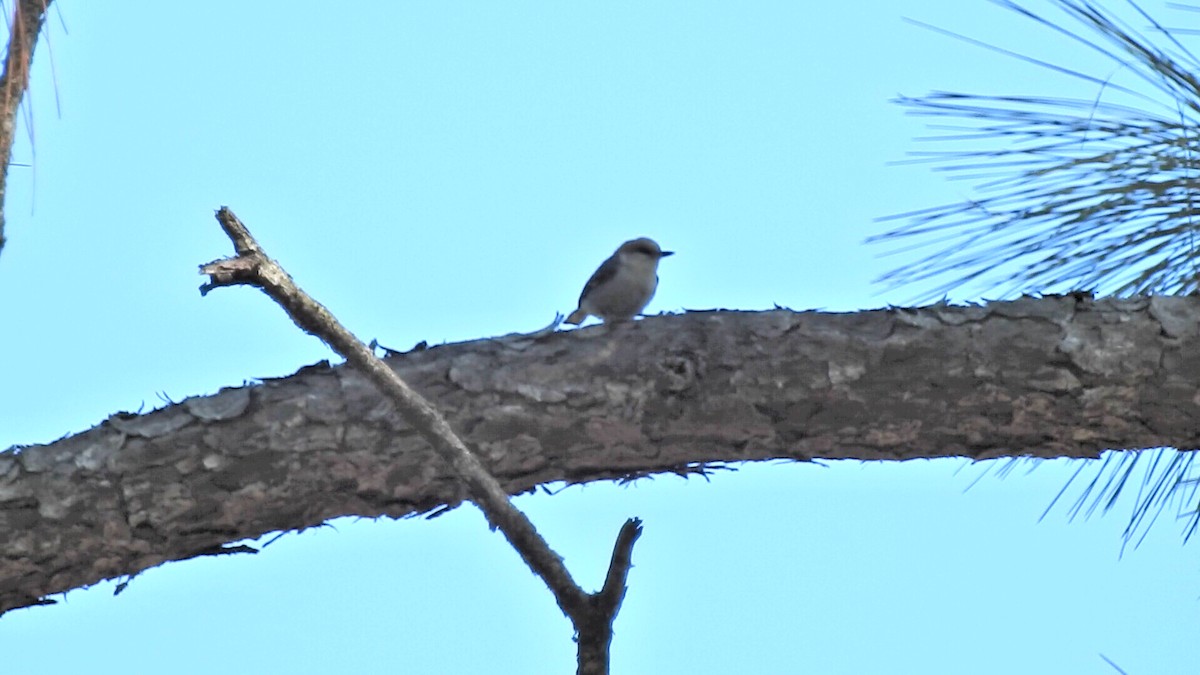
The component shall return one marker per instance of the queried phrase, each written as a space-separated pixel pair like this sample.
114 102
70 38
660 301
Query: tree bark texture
1049 377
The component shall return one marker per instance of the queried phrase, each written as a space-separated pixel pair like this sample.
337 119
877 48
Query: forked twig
591 614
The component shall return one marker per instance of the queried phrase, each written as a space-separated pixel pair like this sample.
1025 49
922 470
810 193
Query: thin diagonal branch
253 267
23 30
591 614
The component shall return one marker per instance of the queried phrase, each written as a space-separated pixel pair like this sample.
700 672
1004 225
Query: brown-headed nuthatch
623 285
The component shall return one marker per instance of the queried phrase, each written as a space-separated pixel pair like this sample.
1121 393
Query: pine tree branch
23 31
1045 377
1070 193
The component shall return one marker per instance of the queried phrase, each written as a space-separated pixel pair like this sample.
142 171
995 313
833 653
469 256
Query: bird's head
643 249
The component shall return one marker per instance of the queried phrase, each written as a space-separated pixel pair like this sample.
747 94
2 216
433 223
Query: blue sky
450 171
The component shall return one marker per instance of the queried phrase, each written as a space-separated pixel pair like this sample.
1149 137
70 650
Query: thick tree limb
1050 377
253 267
23 31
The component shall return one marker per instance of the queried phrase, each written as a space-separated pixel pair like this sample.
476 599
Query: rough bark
1050 377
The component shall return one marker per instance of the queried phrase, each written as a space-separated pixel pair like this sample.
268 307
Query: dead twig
591 614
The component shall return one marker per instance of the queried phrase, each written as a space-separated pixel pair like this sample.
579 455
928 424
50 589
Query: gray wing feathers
603 274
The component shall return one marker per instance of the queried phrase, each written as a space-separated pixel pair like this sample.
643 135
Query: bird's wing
603 274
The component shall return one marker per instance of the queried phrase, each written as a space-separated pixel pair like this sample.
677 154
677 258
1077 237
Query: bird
623 285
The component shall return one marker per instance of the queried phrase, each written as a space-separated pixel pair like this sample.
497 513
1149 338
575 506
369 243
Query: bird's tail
577 317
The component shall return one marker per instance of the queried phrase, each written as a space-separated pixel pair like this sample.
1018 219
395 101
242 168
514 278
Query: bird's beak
666 253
